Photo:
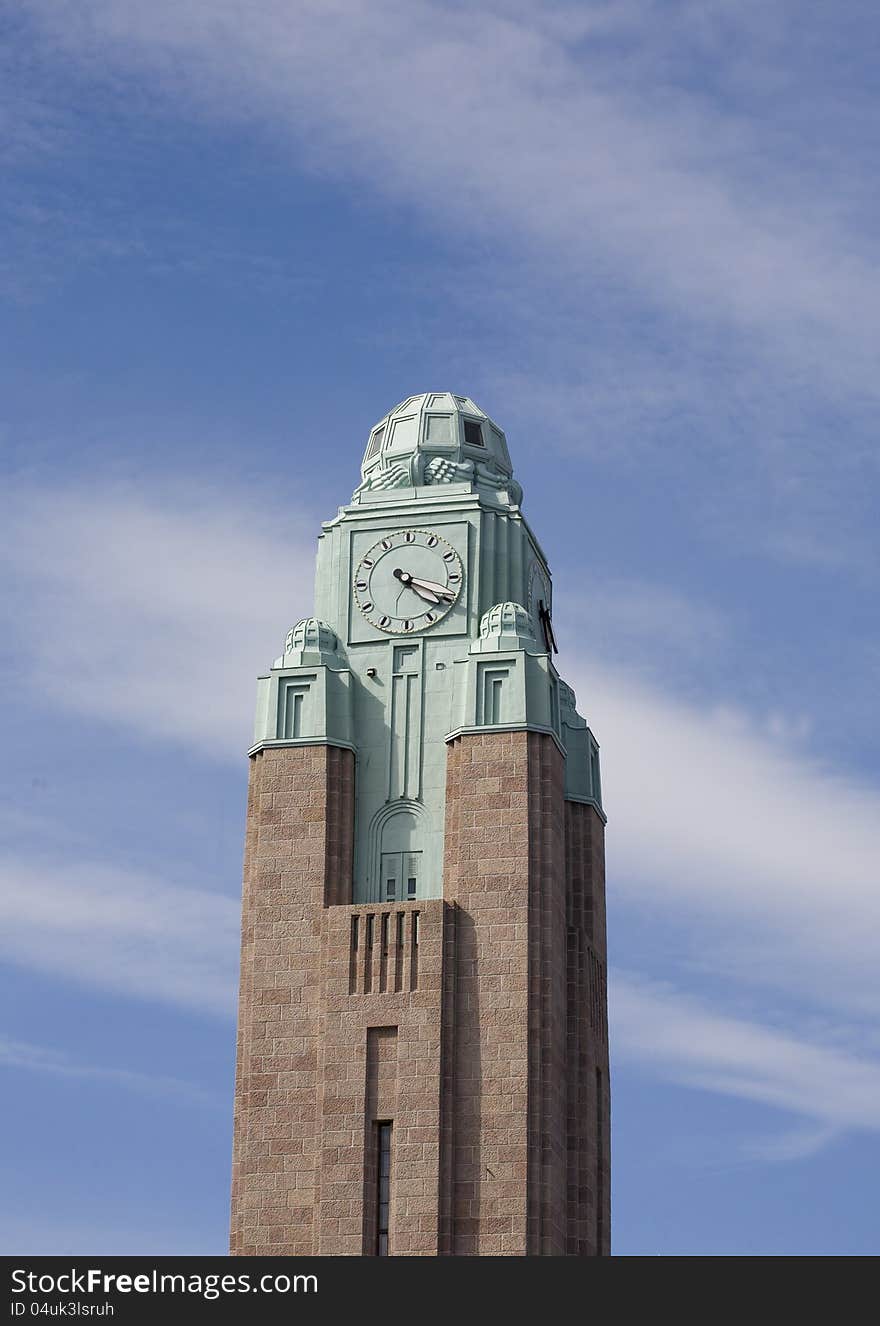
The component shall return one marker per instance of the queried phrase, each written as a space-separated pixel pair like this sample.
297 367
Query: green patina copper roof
505 626
437 437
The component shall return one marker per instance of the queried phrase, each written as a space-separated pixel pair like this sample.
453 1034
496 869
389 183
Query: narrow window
292 716
411 887
491 694
600 1166
383 952
352 956
594 775
390 876
398 952
414 954
473 434
383 1187
368 956
495 706
554 706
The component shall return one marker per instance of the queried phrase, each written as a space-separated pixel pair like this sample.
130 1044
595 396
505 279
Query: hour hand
419 587
547 623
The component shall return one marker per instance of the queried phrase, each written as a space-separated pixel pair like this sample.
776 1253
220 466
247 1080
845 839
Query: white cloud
792 1144
677 270
638 619
770 860
43 1059
761 862
675 262
120 931
549 139
152 611
682 1041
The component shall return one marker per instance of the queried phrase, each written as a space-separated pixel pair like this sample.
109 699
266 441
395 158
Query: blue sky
642 236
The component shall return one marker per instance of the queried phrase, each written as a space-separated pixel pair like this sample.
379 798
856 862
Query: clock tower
422 1038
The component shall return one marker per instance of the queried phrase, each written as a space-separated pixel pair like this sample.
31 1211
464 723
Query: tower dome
438 437
505 626
309 641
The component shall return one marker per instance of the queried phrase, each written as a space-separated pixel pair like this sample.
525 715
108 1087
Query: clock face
408 581
540 591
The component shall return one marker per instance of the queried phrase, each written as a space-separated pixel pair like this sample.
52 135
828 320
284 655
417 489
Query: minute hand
433 588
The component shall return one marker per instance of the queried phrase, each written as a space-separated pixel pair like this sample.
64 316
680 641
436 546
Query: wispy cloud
119 931
790 1145
641 620
764 859
681 1040
44 1059
549 135
150 611
684 268
769 857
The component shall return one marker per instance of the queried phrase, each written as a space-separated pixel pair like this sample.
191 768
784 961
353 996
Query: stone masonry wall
383 983
476 1023
588 1189
297 857
503 868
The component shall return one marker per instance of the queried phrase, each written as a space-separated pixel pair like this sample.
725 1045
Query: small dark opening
473 433
383 1187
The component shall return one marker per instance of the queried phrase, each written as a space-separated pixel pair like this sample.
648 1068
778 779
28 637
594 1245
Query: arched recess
398 854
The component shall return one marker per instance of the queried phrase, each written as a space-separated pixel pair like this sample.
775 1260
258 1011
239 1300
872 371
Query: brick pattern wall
527 1059
297 855
485 871
352 1094
588 1188
380 1104
503 867
547 999
477 1023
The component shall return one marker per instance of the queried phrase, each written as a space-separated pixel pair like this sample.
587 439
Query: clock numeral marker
429 616
453 577
407 625
386 543
432 540
368 607
360 584
383 621
409 536
449 556
366 562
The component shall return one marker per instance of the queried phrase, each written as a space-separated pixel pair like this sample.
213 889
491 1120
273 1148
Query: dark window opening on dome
473 433
375 442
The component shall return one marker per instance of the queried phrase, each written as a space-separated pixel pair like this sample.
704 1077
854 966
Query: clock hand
547 624
428 595
431 585
417 586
